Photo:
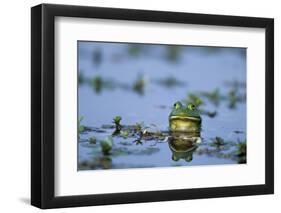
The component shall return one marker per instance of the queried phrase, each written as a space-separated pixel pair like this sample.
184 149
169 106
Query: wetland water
140 83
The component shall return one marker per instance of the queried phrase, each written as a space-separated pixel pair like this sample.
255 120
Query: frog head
184 118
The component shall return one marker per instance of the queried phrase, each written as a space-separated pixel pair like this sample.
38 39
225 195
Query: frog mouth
187 118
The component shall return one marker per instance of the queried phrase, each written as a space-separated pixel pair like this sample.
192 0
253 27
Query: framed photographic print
140 106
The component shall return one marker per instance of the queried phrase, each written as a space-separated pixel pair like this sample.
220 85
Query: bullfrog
184 118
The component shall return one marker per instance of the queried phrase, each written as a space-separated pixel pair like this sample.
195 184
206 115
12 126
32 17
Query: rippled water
141 84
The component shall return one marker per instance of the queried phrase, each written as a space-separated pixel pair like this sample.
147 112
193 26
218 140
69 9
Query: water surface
141 83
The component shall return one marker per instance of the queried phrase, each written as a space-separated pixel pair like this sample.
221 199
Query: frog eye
177 105
191 107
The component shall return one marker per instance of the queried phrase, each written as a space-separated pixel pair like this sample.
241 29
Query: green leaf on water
117 120
139 85
124 133
218 141
138 127
194 99
241 149
93 140
106 145
81 128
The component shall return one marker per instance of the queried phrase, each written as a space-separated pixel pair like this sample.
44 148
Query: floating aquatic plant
241 149
194 99
117 122
213 96
169 82
81 127
139 85
138 127
218 142
232 97
241 152
93 140
106 145
152 134
124 133
97 83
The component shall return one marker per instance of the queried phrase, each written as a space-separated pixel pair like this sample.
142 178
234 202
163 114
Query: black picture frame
43 105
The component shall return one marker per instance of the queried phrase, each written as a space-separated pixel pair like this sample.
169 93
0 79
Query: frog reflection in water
184 119
185 127
183 145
